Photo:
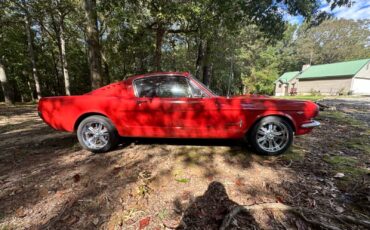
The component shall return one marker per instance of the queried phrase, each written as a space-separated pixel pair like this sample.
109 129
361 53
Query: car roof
181 74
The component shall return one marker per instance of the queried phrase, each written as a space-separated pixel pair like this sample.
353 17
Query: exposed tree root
296 210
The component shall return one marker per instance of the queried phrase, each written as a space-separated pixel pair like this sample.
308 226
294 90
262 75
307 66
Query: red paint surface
209 117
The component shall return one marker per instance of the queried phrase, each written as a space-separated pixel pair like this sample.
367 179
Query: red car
176 105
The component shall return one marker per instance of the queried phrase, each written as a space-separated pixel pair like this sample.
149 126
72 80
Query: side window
163 86
146 87
196 92
173 87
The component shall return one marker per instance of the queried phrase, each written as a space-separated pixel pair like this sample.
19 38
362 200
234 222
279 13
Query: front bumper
312 124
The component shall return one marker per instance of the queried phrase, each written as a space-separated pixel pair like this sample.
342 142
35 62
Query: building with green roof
330 79
286 83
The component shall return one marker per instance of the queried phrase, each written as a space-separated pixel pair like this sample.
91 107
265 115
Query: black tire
255 135
110 134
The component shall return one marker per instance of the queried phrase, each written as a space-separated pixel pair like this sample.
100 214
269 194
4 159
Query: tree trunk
206 67
198 64
63 59
94 54
32 55
57 85
30 89
210 74
105 69
5 86
44 34
160 31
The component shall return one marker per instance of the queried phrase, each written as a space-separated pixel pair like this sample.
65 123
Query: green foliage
333 41
244 45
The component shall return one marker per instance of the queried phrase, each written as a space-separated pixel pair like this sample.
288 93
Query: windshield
203 85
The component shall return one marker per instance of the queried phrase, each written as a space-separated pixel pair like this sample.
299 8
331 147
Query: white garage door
361 86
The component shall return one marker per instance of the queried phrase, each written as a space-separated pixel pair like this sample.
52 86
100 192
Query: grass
350 166
301 97
360 143
311 97
361 140
341 117
295 153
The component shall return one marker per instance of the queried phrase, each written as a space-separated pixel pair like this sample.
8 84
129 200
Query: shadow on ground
47 181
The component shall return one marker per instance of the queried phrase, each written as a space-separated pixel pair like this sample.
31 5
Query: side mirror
201 95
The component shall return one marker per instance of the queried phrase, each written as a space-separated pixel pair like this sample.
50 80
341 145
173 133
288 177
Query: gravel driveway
359 108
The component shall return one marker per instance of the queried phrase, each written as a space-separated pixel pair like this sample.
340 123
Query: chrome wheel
95 135
272 136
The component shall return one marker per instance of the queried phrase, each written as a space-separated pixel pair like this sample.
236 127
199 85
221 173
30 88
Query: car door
164 107
172 96
146 116
205 116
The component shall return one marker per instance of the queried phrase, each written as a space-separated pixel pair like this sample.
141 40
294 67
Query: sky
360 9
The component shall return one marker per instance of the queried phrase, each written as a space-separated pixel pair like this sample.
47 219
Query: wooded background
66 47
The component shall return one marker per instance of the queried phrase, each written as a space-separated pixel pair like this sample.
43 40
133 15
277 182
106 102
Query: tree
5 86
334 40
93 44
229 45
31 53
166 17
51 19
62 9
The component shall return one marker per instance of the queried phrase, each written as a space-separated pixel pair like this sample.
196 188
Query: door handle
139 102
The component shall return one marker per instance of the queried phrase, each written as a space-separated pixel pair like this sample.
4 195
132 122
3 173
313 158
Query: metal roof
287 76
339 69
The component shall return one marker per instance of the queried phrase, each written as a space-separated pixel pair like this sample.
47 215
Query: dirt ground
48 182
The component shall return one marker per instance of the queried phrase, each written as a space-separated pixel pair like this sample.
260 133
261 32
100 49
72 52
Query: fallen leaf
239 182
76 178
183 180
96 221
172 224
43 192
72 220
339 209
339 175
59 194
210 178
279 199
20 212
116 170
186 195
144 222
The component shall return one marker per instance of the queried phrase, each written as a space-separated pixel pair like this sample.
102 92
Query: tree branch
185 31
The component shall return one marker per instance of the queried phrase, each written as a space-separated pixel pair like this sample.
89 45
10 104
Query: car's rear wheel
271 136
97 134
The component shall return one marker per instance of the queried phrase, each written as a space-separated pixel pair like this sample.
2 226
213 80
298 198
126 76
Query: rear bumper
312 124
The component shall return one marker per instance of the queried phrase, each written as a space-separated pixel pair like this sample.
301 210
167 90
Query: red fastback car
176 105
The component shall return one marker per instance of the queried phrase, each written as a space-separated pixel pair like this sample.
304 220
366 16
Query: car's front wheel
271 135
97 134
